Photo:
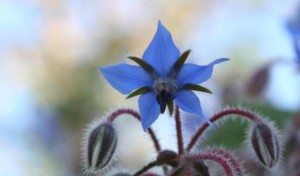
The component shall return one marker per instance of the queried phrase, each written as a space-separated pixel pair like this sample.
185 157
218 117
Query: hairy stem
136 115
230 159
178 131
236 111
219 159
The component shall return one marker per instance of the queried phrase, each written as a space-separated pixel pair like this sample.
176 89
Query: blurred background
50 86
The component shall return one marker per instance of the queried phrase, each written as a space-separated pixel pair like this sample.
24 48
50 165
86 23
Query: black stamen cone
163 98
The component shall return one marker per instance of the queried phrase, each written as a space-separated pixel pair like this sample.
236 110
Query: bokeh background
50 86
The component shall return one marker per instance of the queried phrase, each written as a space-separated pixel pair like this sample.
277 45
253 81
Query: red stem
178 131
242 113
136 115
208 156
230 159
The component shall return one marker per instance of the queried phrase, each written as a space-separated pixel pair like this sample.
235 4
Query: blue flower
293 26
160 78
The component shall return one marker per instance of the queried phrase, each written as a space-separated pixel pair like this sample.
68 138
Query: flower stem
147 167
230 159
242 113
178 131
136 115
219 159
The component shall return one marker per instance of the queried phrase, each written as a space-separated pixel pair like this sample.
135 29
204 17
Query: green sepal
181 60
143 64
139 92
171 108
196 88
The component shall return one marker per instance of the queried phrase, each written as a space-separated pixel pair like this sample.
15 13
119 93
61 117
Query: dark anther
163 98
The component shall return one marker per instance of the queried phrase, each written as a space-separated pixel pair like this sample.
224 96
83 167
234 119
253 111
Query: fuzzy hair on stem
242 113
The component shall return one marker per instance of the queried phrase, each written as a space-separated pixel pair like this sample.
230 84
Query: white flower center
167 85
165 90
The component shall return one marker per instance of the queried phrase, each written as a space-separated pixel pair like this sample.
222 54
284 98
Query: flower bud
265 144
101 145
258 81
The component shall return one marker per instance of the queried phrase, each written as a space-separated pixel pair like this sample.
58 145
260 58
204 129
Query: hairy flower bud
265 144
101 145
258 81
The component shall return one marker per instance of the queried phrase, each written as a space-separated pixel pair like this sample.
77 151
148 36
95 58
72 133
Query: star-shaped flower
160 78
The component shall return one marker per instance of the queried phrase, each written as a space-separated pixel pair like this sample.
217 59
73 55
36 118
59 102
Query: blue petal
161 53
189 102
296 41
294 29
195 74
293 25
149 109
126 78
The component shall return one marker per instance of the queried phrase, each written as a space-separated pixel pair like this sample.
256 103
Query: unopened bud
258 81
265 144
101 146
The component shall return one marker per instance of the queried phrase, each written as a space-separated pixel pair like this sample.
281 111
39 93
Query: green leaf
171 107
181 60
143 64
196 88
139 92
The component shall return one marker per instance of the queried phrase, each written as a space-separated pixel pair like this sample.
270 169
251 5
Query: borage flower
160 78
